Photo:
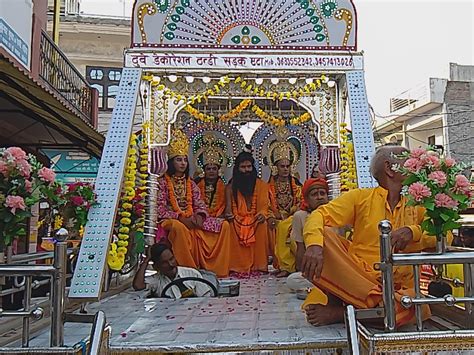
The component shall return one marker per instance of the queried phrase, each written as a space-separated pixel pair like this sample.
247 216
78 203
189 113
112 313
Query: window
431 141
106 81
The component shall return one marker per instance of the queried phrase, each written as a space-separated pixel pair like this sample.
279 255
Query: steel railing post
386 267
59 289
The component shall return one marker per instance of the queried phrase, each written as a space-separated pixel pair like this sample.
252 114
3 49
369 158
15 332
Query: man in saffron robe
196 239
345 272
247 210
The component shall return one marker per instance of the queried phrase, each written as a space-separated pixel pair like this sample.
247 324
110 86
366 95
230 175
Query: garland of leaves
348 168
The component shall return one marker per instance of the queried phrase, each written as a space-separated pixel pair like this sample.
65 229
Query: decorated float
229 74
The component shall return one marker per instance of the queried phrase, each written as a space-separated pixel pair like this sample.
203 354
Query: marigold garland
220 191
254 90
222 118
118 249
279 121
348 168
173 200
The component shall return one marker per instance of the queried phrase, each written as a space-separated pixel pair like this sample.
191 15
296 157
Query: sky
405 42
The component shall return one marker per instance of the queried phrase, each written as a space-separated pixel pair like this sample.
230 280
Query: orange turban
310 184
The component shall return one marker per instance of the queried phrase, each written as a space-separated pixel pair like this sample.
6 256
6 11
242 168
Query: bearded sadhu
197 240
247 210
285 195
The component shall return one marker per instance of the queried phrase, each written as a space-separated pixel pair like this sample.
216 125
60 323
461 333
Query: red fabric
310 183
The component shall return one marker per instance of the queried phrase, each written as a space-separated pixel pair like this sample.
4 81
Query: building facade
95 45
438 113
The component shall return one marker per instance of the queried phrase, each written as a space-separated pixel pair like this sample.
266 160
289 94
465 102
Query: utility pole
57 12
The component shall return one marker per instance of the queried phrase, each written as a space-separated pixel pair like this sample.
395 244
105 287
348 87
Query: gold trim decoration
143 10
348 167
212 151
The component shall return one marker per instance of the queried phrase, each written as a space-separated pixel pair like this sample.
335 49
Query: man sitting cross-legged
344 270
247 210
167 269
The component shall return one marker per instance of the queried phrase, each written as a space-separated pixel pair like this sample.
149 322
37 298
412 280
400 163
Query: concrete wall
459 104
461 72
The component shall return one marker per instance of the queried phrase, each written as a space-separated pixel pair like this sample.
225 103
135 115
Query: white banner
304 61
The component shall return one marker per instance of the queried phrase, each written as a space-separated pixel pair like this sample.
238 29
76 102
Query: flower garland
255 90
279 121
348 168
222 118
220 191
139 206
118 250
173 200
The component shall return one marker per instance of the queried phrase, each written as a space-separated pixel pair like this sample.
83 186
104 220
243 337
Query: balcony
63 78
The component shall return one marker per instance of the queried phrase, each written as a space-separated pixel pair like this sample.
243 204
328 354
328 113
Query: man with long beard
247 210
195 240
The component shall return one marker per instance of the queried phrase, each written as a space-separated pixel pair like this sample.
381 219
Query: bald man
343 270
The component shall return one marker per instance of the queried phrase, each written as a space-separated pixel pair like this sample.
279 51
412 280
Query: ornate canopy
245 24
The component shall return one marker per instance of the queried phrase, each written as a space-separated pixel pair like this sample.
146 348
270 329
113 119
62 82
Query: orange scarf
217 205
173 200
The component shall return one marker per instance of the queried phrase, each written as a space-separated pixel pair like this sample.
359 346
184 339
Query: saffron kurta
285 248
216 206
206 248
249 240
348 269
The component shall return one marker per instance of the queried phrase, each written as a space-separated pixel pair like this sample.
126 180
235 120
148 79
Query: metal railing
58 273
63 77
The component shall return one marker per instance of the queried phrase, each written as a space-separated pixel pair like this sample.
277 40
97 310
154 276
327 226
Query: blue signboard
13 42
72 165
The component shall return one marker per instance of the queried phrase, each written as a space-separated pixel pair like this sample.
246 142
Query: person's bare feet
319 315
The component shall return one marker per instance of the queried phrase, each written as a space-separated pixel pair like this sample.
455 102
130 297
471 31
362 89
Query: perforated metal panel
361 127
90 267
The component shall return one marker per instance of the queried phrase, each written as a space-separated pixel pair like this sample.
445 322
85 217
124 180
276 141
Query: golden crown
281 148
210 152
179 144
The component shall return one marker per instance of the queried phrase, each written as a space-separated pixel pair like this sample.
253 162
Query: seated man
315 193
196 239
247 208
165 264
344 269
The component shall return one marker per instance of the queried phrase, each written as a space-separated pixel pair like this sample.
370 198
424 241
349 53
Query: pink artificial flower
24 168
438 177
443 200
28 186
462 184
419 191
77 200
47 175
16 153
3 168
417 153
14 203
430 160
450 162
413 165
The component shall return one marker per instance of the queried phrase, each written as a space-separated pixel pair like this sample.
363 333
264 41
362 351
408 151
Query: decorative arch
304 134
229 134
272 24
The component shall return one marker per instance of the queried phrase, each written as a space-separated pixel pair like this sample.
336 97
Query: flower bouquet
23 182
78 198
437 184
